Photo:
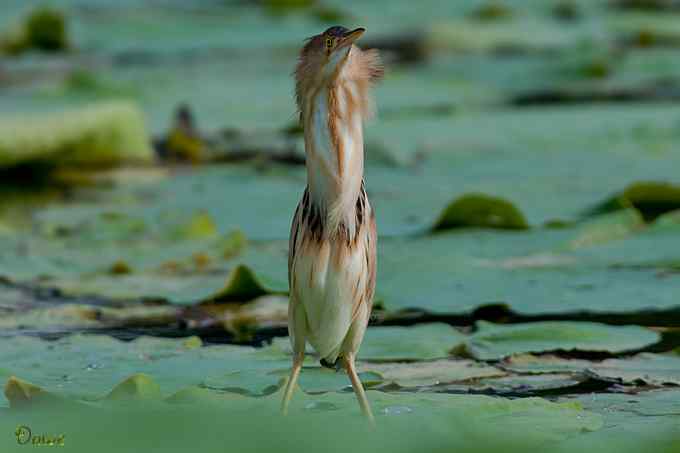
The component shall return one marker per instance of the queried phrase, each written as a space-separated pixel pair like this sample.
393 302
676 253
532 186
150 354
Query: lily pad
493 342
651 198
89 366
481 211
431 372
44 29
242 286
652 369
321 380
136 387
533 272
608 227
453 421
643 422
421 342
520 385
100 135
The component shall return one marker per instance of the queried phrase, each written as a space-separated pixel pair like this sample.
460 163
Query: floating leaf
481 211
608 227
318 379
628 423
100 135
432 372
87 367
421 342
492 11
43 29
452 422
233 244
120 268
651 369
253 382
20 393
138 386
651 198
242 285
200 226
521 384
493 341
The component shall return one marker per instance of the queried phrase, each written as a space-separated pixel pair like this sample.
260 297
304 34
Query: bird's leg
358 388
298 358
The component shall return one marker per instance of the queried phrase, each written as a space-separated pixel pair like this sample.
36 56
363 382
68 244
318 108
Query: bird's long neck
334 147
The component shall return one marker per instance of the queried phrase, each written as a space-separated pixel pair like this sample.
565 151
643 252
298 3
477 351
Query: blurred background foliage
523 166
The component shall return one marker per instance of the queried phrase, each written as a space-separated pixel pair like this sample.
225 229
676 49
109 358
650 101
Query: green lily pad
520 384
100 135
608 227
136 387
454 421
75 316
89 366
252 382
652 369
493 342
421 342
481 211
315 379
533 272
646 421
431 372
242 286
651 198
201 225
44 29
20 393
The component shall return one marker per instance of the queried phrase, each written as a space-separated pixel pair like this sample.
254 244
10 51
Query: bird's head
331 56
325 54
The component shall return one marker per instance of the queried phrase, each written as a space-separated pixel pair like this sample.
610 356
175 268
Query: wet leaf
20 393
233 244
432 372
100 135
493 341
609 227
645 421
421 342
523 385
651 198
481 211
454 421
200 226
652 369
242 285
136 387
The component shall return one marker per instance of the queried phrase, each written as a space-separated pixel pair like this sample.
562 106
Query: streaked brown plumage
332 249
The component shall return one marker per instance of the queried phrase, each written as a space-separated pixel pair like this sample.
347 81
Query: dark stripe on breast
313 218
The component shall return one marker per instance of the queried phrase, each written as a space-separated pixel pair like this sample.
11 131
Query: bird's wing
295 234
372 259
370 263
297 320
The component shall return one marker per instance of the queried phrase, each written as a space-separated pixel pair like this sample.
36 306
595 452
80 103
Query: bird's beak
350 37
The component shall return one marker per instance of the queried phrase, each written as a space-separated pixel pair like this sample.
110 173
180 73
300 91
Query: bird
333 238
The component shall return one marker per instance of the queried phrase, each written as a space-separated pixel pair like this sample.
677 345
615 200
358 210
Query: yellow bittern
332 248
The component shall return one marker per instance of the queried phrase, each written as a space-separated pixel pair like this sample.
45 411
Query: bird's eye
329 43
